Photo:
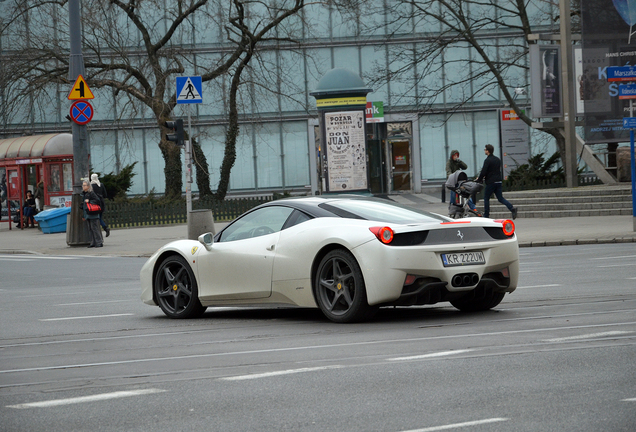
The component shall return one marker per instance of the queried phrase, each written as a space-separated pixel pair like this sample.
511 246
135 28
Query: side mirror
206 240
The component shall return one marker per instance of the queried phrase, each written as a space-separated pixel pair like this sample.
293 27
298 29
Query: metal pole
633 162
188 166
569 109
77 233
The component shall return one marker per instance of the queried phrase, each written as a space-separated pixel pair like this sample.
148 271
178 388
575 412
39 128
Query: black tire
339 288
176 289
470 304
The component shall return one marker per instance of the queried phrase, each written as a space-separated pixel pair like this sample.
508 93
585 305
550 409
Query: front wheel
471 304
339 288
176 289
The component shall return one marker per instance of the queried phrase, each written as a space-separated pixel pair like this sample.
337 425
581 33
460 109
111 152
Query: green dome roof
340 81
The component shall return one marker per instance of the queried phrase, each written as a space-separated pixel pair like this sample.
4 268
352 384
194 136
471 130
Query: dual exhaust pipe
465 280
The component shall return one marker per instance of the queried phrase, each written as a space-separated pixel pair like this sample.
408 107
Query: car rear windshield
381 211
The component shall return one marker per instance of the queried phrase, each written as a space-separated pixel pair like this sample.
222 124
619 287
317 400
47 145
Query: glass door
400 157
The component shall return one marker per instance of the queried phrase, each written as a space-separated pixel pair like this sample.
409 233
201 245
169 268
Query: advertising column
345 151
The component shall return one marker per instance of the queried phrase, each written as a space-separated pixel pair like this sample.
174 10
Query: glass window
457 69
296 218
460 138
433 147
292 77
268 160
381 211
347 57
54 178
296 153
242 176
260 222
316 20
374 60
67 175
429 76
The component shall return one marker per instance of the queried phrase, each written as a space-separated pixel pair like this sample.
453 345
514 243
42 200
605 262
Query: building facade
430 106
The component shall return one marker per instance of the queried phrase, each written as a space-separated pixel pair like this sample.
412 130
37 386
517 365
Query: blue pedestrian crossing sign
189 90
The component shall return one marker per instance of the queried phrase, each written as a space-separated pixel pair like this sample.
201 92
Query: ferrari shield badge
195 249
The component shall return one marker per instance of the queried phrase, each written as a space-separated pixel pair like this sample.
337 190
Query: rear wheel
472 304
339 288
176 289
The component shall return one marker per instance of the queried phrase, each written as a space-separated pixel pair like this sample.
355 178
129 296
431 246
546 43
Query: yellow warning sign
80 90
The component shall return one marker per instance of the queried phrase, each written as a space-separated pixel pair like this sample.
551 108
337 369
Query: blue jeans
101 221
496 189
453 199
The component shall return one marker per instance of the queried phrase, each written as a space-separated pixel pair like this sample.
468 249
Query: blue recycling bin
53 220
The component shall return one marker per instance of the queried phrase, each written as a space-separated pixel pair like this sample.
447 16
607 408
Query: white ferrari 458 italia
346 255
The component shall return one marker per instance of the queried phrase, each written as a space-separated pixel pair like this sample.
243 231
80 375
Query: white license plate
463 258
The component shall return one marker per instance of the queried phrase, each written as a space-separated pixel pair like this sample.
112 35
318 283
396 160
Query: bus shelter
28 160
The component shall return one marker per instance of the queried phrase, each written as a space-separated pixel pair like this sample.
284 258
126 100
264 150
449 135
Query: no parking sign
81 112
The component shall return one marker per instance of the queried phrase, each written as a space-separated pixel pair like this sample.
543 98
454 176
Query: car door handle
270 248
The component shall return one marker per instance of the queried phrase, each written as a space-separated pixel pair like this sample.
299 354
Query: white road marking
629 400
534 262
32 257
49 295
95 302
85 317
588 336
83 399
615 257
431 355
310 347
612 265
631 278
539 286
16 259
459 425
278 373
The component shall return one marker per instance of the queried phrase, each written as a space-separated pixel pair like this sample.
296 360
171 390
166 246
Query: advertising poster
546 80
515 141
609 39
346 163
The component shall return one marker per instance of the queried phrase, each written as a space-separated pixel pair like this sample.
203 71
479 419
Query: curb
541 243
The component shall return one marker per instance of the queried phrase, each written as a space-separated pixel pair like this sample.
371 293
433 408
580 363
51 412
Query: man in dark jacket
491 172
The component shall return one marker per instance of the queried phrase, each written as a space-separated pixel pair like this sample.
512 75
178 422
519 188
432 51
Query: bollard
200 222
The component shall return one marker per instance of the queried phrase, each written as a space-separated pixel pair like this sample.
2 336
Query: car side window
296 218
266 220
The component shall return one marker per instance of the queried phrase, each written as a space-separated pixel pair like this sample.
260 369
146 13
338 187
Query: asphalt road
80 352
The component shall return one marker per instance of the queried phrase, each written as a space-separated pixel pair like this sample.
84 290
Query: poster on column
345 151
515 141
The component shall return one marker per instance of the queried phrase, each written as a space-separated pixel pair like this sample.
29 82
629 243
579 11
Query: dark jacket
454 165
100 191
93 199
491 171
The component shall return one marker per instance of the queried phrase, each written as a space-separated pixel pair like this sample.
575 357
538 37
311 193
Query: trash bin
53 220
201 222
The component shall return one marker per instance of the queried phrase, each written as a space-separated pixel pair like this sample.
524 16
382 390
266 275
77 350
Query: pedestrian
491 173
100 190
455 164
28 211
88 196
39 195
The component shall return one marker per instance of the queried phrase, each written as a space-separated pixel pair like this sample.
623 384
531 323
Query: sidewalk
143 242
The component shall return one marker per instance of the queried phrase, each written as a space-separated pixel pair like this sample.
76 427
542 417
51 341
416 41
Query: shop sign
375 112
515 141
28 161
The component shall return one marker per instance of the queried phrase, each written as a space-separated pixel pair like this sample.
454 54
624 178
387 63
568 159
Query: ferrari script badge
460 235
194 249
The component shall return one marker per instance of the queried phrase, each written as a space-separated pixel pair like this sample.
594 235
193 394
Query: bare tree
496 32
136 48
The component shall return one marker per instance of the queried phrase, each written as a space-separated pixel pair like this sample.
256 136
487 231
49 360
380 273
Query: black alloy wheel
176 289
339 288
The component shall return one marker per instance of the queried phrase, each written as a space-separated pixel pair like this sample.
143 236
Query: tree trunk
173 168
202 170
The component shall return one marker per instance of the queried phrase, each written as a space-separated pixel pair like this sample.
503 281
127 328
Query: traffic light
178 137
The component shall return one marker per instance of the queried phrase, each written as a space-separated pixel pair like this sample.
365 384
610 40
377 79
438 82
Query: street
80 352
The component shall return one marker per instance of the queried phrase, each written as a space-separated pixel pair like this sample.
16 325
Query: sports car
347 255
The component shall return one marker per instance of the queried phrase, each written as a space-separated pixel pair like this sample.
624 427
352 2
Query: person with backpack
100 191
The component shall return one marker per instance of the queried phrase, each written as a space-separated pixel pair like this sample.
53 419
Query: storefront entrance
389 147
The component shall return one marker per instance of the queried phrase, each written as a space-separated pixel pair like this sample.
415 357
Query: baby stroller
459 208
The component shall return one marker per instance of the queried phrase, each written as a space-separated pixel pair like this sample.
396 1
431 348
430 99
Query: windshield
381 211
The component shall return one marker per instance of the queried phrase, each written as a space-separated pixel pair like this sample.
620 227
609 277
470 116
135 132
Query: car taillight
384 234
507 225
